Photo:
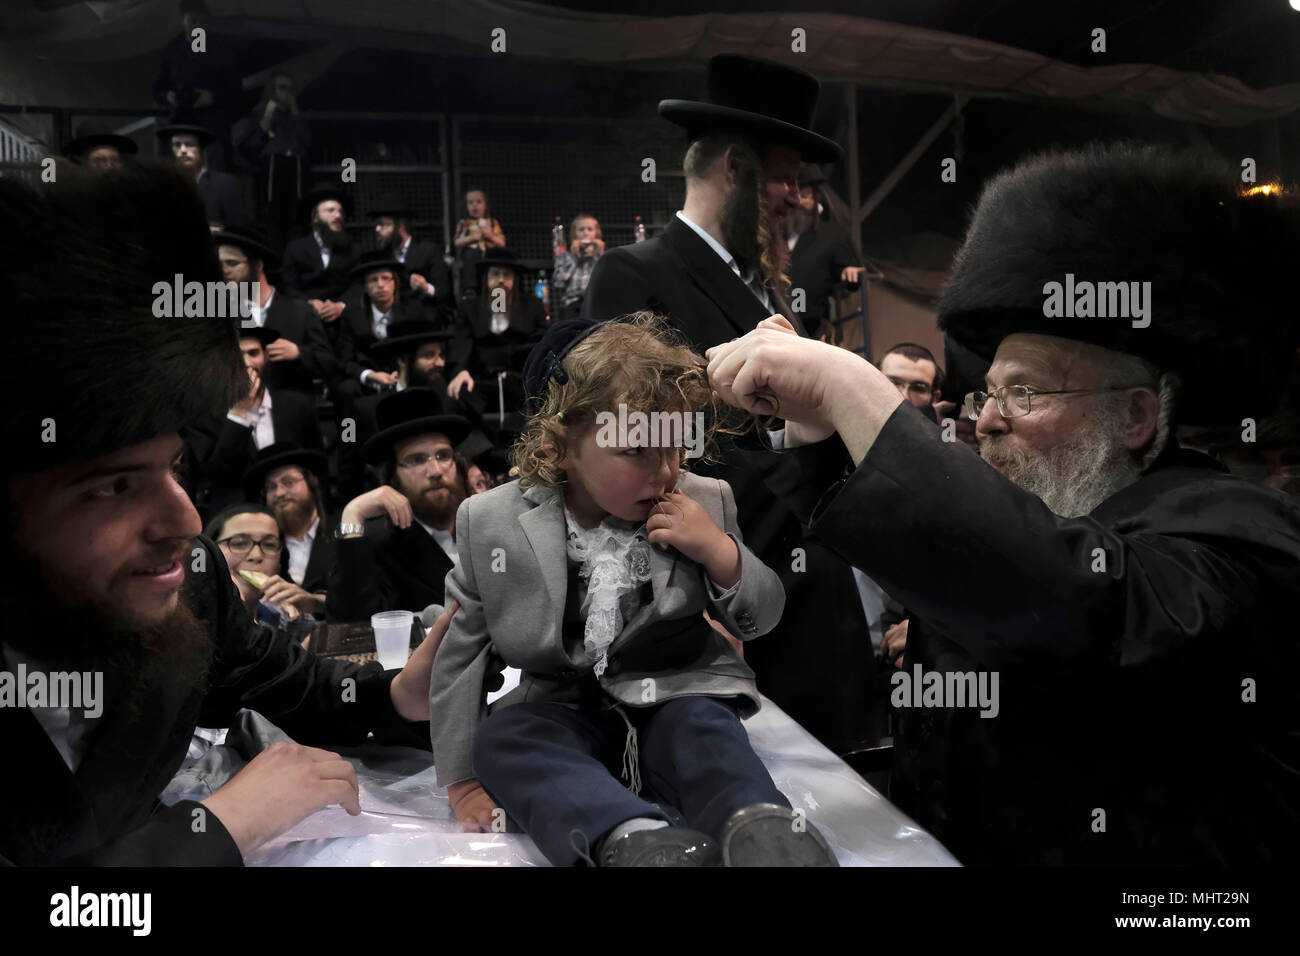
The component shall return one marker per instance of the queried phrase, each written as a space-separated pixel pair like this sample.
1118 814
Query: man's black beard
46 623
334 241
798 221
742 212
415 378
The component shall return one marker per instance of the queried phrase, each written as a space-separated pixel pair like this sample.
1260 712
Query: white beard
1076 476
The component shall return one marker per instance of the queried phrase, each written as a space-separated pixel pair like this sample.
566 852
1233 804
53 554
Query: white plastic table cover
406 820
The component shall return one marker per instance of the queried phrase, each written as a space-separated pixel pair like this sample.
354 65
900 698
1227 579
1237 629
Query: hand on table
472 806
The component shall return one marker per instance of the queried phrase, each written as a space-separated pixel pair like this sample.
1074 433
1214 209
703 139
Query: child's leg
549 767
696 755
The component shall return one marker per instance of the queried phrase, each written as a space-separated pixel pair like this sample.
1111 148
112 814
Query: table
407 821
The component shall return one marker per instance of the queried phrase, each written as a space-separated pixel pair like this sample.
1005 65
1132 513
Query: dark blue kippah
546 360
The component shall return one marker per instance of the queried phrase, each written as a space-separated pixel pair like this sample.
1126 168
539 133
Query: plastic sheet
407 821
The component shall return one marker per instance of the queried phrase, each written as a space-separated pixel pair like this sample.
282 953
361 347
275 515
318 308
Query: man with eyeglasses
1136 601
915 373
397 542
288 479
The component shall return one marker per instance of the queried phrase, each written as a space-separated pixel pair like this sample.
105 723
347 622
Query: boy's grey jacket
511 586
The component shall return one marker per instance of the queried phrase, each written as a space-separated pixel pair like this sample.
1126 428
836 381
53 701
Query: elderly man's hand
894 642
774 371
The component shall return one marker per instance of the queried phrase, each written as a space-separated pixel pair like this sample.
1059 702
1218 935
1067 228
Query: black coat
815 664
1120 689
386 569
425 259
297 321
320 561
107 813
356 333
483 353
221 450
819 257
223 199
305 273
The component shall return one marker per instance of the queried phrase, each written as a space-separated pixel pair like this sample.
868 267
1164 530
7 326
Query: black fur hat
1219 262
89 362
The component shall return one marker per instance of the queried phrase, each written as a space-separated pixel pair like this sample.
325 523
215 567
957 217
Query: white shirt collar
716 246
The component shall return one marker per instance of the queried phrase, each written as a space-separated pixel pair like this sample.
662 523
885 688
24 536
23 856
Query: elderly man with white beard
1130 603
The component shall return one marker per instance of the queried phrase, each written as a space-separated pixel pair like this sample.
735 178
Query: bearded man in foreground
1135 601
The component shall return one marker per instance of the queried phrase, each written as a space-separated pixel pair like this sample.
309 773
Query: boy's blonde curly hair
638 360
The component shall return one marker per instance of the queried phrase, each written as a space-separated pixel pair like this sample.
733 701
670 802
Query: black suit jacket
356 333
386 569
222 450
320 561
425 259
1120 689
107 813
223 199
815 664
305 273
819 257
477 349
297 322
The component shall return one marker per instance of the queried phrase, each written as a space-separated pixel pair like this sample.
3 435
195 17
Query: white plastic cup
392 637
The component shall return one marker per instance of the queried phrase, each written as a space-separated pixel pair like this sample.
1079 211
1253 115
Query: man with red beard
1134 602
288 478
717 270
103 567
397 542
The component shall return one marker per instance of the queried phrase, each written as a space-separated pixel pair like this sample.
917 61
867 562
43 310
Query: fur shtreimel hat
91 369
1219 264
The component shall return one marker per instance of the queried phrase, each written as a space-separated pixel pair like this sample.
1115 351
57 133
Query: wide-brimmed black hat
498 256
405 414
324 191
204 134
390 204
278 455
92 134
1220 265
252 241
810 175
265 334
369 262
407 334
761 99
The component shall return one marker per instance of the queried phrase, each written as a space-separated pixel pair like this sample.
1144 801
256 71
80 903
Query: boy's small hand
682 522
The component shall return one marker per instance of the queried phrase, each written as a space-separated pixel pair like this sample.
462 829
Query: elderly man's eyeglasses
241 544
442 456
1015 401
920 389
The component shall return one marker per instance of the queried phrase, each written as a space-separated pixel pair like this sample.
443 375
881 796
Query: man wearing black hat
413 351
397 542
224 448
493 334
1129 602
716 272
222 197
302 354
821 252
104 567
289 479
375 304
318 266
98 148
426 273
